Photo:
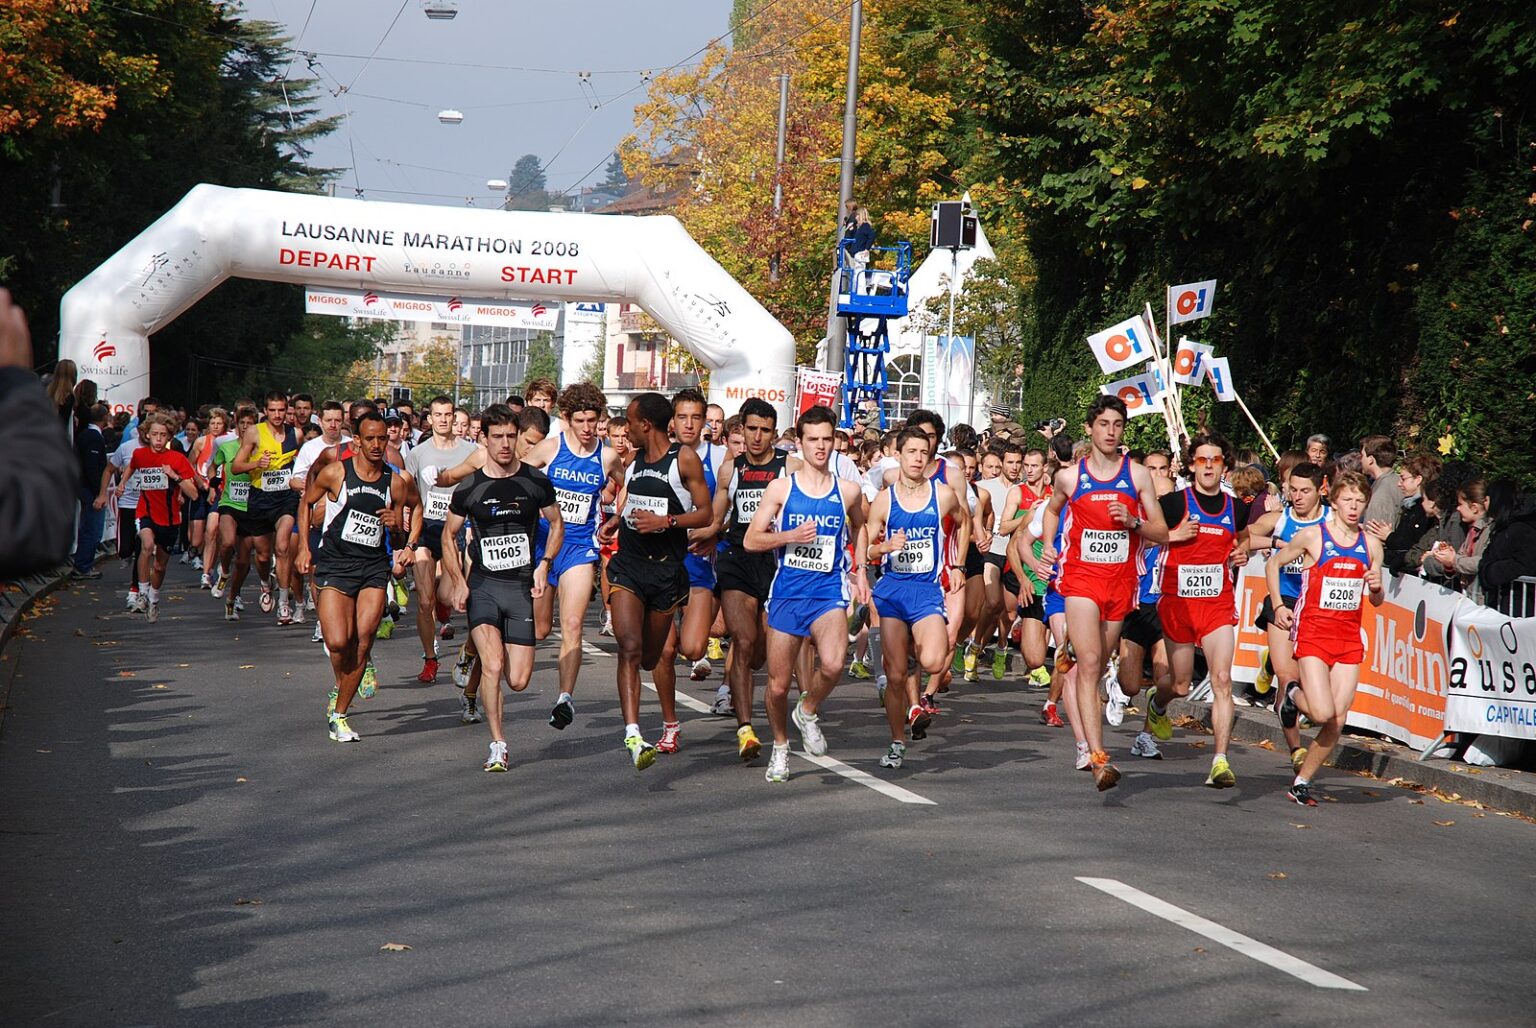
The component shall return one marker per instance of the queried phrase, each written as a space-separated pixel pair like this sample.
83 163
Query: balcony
638 323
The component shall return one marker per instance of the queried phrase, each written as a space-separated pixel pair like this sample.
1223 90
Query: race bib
362 529
436 508
746 505
151 479
1106 547
915 558
274 481
576 508
238 492
818 555
1200 581
505 552
1294 567
1341 593
655 504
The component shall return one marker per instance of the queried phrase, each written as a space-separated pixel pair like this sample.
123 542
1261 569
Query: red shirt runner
159 497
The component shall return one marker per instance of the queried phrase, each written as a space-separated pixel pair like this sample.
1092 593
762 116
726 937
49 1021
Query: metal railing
1518 598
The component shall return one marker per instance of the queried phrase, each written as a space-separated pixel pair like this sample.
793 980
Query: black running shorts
662 585
504 605
743 571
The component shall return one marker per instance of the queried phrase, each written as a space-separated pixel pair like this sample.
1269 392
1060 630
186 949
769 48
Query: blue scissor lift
867 298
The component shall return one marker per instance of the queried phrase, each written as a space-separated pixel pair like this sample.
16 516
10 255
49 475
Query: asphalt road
182 844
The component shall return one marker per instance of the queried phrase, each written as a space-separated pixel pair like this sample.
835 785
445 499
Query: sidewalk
17 598
1496 787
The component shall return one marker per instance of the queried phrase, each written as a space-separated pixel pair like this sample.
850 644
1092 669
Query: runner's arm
452 569
1152 527
1301 544
459 472
691 470
760 537
243 464
1013 516
1373 575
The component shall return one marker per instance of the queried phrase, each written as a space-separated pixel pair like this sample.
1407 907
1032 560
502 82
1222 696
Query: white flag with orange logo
1141 394
1189 361
1219 371
1120 346
1191 301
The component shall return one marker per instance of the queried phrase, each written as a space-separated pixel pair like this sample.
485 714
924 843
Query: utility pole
778 172
837 333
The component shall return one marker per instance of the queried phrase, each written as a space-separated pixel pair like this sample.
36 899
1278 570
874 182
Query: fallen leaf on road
1278 875
127 674
1199 949
1265 744
1295 825
1445 824
246 667
1330 799
1452 798
105 642
159 685
394 947
1199 744
1479 815
183 665
239 779
45 751
1418 803
243 902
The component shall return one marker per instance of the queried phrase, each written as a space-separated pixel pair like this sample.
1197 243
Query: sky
394 147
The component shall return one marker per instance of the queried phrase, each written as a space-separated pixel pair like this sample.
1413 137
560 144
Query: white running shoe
778 764
298 613
722 706
186 557
152 613
497 761
239 603
133 600
810 731
141 603
231 612
894 755
469 711
1082 757
317 637
220 585
1146 746
1114 707
880 694
701 670
197 563
607 628
462 667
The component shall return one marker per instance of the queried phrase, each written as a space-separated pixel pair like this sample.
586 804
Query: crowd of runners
727 543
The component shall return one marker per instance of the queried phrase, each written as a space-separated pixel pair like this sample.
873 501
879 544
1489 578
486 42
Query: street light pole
778 172
837 332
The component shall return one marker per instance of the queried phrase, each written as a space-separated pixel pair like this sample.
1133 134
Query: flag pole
1166 370
1255 423
1178 399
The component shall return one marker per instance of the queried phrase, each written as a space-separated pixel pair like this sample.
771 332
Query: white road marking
590 650
1264 954
853 774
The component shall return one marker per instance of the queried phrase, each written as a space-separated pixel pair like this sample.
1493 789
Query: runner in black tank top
743 578
352 568
664 495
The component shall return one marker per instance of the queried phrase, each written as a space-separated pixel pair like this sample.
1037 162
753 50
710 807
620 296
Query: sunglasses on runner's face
1208 462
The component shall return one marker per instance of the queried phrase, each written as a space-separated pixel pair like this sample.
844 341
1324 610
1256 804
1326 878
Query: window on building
904 387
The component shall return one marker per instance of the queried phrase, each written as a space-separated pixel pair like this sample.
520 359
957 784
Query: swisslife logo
454 303
369 299
102 350
539 310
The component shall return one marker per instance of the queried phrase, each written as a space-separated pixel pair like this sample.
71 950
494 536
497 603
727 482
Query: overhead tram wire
392 22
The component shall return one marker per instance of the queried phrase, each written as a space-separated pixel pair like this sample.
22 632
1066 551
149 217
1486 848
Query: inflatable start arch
216 233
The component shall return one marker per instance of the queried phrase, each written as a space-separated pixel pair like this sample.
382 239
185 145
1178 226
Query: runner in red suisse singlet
1099 555
1196 597
1328 612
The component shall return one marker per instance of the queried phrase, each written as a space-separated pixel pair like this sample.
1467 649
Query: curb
1496 787
14 605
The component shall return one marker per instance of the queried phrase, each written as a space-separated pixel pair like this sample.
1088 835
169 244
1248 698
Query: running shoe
401 598
722 707
298 613
1084 757
428 673
330 704
239 602
918 721
748 746
442 612
894 755
221 585
1301 792
1145 746
231 612
370 683
1266 677
957 663
1158 722
186 557
1298 755
778 764
999 663
969 664
497 761
463 666
1114 707
700 670
1049 718
860 670
607 628
671 738
562 714
810 731
642 753
197 563
714 651
152 612
446 632
266 597
1288 711
205 582
317 636
1105 775
469 711
1066 660
1041 677
386 628
880 684
133 601
141 603
285 613
1221 776
929 704
340 731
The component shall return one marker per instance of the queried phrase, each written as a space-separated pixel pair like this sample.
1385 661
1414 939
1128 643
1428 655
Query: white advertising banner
1493 674
456 310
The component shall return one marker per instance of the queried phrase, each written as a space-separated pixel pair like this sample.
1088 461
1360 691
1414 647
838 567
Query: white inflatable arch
216 233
